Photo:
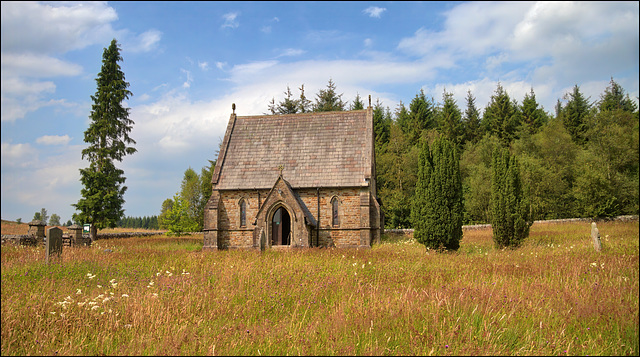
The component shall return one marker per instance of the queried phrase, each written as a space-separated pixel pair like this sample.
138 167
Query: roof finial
281 167
369 99
233 107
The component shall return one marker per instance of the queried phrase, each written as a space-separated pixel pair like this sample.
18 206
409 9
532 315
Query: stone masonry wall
347 234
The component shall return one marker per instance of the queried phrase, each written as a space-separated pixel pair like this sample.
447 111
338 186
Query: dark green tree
286 106
328 100
403 118
501 116
471 121
357 103
450 119
108 138
304 104
437 204
575 115
614 98
381 125
533 116
422 113
509 208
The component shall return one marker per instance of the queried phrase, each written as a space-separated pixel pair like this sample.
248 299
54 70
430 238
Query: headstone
54 242
595 236
263 240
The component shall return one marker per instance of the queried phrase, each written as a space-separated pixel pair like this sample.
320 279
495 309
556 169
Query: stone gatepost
595 236
76 235
54 243
36 229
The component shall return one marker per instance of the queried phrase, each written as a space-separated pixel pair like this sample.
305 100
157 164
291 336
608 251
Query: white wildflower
78 292
125 295
95 307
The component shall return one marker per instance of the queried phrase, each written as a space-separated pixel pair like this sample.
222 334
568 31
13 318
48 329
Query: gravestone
54 242
595 236
263 240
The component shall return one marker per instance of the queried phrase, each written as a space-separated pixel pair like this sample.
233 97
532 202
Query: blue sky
188 61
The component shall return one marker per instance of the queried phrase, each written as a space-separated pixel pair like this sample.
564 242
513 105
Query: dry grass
554 295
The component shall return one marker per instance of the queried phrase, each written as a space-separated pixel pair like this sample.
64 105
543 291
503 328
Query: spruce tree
357 103
471 121
451 119
575 115
422 113
501 116
108 138
533 116
509 208
437 203
328 100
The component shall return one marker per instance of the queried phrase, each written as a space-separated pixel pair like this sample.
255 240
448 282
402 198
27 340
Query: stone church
295 180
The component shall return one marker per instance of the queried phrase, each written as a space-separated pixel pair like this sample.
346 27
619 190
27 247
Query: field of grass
164 296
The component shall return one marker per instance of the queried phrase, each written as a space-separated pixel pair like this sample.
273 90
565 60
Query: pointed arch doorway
281 227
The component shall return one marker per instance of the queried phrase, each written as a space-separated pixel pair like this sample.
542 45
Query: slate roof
325 149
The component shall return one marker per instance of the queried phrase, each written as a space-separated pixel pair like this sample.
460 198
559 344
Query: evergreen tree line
145 222
581 161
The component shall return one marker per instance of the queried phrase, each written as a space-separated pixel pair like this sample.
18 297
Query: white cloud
230 20
374 11
55 27
18 155
145 42
53 140
266 29
221 65
189 80
203 66
290 52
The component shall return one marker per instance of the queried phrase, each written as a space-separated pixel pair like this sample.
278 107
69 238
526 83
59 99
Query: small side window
243 213
335 217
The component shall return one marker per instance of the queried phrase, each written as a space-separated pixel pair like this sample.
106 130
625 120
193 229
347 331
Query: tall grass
142 296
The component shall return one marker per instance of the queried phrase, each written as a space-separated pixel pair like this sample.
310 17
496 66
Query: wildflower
81 304
105 300
99 286
112 281
78 292
90 276
158 273
95 307
127 326
53 312
155 294
125 295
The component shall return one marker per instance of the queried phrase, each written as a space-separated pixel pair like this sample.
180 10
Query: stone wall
222 221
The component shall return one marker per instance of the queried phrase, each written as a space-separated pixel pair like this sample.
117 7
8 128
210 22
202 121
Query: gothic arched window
243 213
335 217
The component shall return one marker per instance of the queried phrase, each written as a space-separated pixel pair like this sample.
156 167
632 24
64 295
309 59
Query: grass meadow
555 295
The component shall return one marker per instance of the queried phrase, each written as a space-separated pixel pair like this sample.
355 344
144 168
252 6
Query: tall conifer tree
108 139
437 204
509 208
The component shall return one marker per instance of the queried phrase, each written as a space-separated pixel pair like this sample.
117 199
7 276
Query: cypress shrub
437 209
509 208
